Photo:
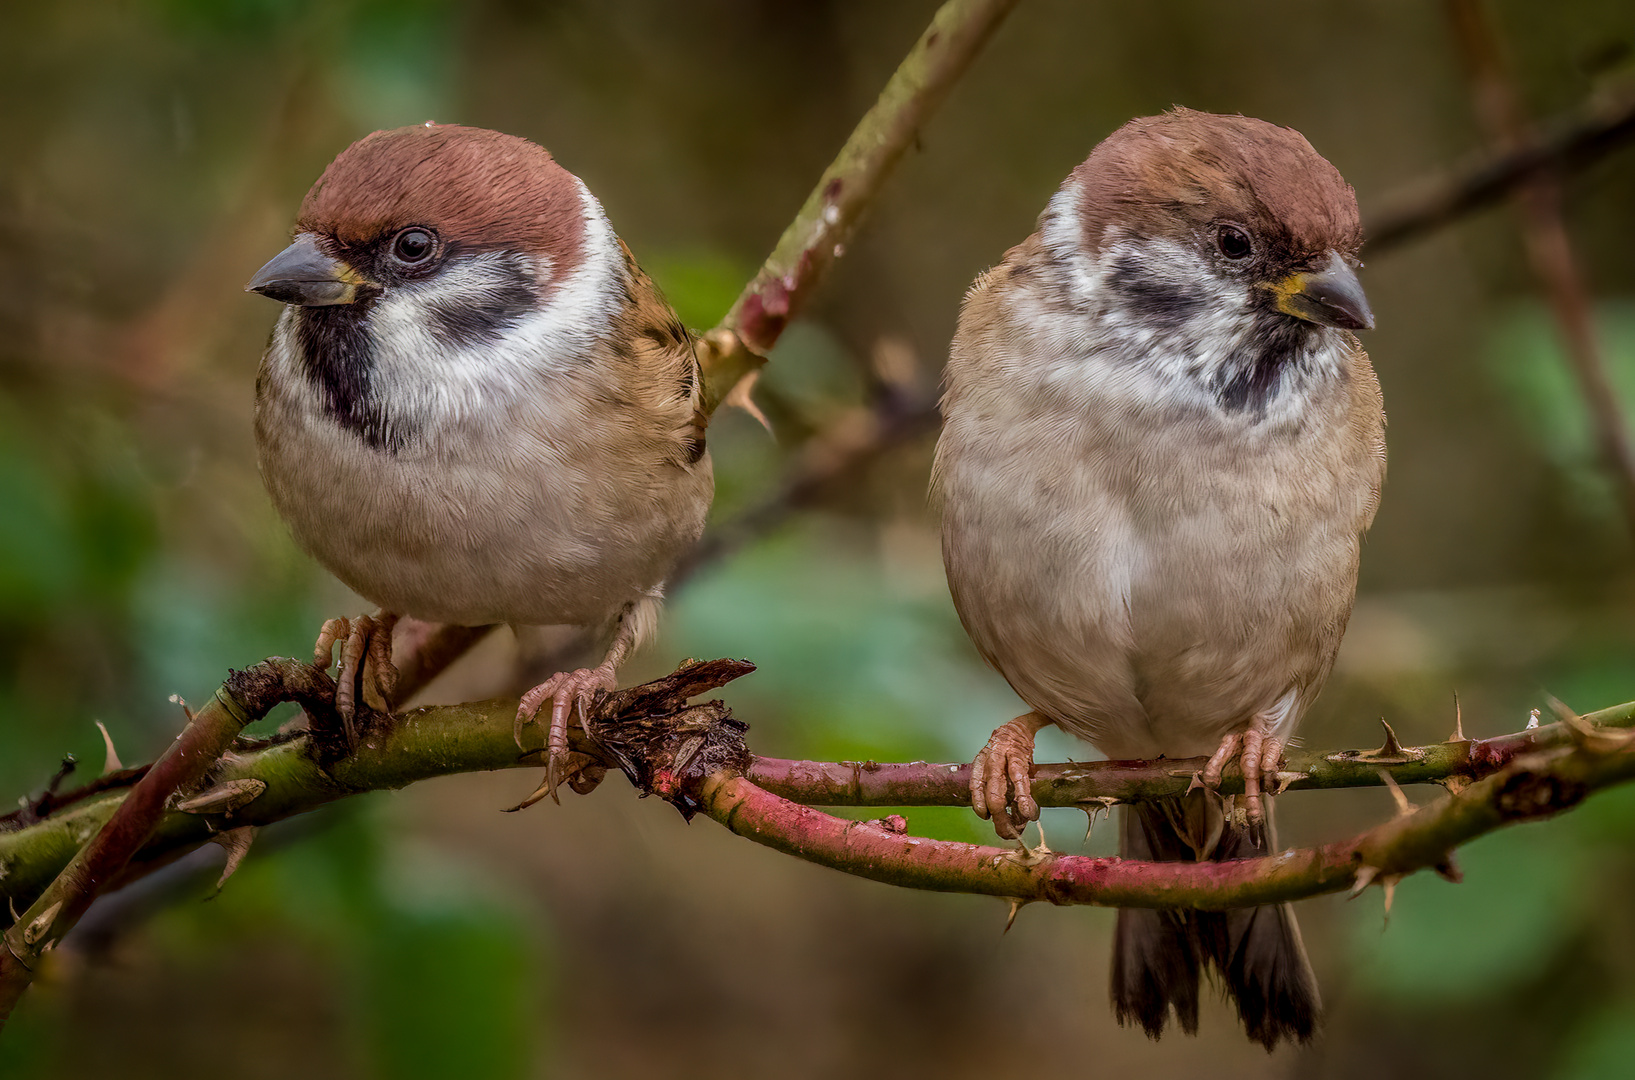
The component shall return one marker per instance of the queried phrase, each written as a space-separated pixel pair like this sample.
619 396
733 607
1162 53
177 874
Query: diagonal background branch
1571 140
844 193
1538 201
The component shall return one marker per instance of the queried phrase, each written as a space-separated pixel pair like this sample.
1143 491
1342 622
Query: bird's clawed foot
366 664
1001 776
568 689
1258 754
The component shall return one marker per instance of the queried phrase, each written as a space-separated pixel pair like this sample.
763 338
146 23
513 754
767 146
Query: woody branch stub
665 746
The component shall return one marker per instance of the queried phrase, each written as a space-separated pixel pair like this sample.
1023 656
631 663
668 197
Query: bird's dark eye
1233 242
414 246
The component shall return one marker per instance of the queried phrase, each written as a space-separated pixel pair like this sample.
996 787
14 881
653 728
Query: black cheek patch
482 316
1155 300
338 358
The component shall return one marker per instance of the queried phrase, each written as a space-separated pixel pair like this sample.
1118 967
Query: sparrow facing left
476 408
1162 444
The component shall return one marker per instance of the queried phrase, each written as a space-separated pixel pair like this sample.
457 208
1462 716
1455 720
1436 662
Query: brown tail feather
1257 952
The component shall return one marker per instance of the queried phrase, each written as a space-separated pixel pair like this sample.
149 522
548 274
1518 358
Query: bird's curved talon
365 663
1259 754
564 690
1001 777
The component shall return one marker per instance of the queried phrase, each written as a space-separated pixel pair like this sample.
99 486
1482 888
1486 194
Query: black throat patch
1250 381
1167 305
338 357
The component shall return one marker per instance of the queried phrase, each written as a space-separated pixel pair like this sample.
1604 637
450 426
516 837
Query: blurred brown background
157 151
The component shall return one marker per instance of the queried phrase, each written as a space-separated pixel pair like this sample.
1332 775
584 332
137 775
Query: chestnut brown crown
475 189
1184 175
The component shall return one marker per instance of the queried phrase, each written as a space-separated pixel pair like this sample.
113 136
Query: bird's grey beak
302 274
1331 296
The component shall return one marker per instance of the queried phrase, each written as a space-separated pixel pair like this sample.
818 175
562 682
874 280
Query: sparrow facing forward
1162 446
476 408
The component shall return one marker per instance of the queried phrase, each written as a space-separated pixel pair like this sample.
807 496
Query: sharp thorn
41 926
1102 804
1010 917
741 396
225 797
1532 720
110 757
538 794
236 842
1388 883
1365 877
1458 721
1574 722
1404 807
1392 747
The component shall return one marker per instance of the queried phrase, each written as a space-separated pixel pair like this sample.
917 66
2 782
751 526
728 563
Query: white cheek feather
1106 351
425 380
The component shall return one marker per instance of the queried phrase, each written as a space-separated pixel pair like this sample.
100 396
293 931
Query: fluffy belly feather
1155 609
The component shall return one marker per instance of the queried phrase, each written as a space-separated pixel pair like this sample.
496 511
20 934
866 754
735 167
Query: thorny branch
1086 784
127 828
1532 787
695 757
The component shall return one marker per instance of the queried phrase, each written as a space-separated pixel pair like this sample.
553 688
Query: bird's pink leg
566 690
1001 776
366 662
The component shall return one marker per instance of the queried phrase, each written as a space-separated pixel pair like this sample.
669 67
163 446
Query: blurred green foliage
1602 1046
1522 901
429 965
1532 369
